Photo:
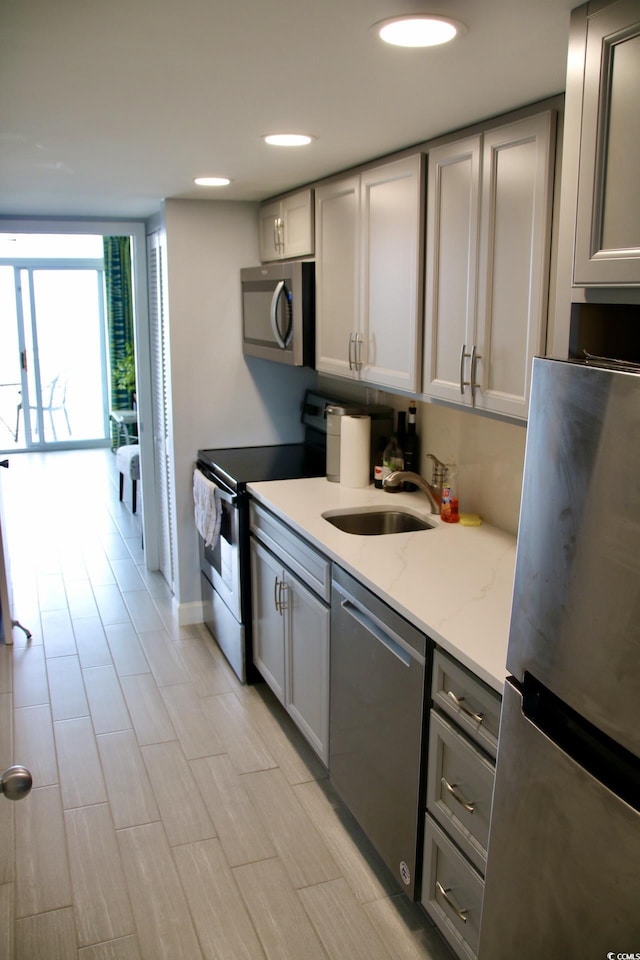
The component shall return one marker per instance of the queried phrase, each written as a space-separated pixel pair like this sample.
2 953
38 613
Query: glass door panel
53 370
10 372
69 354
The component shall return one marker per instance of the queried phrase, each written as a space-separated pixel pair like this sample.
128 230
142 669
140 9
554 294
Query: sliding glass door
53 381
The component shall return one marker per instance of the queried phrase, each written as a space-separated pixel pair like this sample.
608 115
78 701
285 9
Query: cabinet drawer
459 789
451 892
468 701
310 566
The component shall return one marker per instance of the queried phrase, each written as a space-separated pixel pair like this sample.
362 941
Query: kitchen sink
373 523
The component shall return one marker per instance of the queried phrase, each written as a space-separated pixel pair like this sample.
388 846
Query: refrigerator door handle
452 788
459 702
444 892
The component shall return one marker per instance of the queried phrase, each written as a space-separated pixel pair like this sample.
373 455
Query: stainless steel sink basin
373 523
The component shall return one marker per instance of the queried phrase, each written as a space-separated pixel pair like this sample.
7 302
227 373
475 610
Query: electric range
225 566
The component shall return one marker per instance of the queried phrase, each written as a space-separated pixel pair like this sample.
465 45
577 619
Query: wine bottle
411 447
377 468
392 460
401 430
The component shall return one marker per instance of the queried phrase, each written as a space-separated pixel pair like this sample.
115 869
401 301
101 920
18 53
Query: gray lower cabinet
291 585
463 732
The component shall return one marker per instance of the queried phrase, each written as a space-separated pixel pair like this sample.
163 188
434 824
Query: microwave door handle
282 341
288 335
274 314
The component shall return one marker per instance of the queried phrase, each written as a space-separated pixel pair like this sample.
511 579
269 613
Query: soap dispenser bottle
449 511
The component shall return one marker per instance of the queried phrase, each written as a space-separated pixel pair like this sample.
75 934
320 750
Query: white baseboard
189 613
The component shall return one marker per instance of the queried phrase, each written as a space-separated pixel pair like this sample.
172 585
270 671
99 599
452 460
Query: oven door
221 563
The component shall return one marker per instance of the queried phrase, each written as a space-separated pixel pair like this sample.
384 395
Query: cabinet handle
462 914
459 702
276 583
350 351
282 596
281 234
474 385
453 790
358 351
463 356
279 595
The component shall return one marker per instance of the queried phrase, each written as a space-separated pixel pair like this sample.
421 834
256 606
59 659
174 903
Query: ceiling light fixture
418 30
212 181
287 139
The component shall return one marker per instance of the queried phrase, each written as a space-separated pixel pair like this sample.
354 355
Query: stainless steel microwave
278 312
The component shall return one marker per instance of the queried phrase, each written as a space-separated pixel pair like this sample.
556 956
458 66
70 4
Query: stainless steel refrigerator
563 869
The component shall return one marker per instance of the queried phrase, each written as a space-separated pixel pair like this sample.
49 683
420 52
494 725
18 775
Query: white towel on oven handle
207 508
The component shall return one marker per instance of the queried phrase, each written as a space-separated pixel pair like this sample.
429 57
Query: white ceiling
109 107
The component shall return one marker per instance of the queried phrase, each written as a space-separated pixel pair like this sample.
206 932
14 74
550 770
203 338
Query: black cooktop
237 466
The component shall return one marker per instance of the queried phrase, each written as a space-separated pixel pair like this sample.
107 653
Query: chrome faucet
433 490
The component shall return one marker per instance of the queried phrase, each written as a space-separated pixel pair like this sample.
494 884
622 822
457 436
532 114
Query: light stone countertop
453 582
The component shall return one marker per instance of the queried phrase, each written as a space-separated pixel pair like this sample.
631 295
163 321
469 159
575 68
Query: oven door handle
226 495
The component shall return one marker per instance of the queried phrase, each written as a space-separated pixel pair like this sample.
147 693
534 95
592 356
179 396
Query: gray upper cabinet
487 264
607 247
286 227
369 275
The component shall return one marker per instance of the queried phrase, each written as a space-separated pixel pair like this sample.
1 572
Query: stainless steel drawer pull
453 790
459 702
463 356
280 595
474 384
462 914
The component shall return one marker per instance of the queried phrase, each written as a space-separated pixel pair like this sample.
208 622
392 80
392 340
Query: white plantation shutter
160 407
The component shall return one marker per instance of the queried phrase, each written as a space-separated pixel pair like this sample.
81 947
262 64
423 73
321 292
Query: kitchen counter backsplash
453 582
489 453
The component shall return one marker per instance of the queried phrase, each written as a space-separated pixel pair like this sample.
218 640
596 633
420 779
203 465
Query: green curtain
119 309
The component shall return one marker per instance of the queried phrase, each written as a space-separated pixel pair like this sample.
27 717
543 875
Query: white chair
54 399
128 463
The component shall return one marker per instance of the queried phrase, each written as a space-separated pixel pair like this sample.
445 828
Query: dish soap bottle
392 459
449 511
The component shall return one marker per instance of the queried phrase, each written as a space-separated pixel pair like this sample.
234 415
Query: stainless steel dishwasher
376 713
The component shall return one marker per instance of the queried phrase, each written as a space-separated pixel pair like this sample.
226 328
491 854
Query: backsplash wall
489 453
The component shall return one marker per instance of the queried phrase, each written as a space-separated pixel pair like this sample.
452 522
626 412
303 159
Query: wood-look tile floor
175 813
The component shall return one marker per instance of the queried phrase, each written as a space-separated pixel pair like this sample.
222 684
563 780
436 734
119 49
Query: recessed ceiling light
287 139
212 181
418 30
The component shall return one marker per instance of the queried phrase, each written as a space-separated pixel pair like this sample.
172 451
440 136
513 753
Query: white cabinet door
269 231
453 215
307 693
514 262
285 227
268 620
391 204
297 224
337 275
368 275
607 249
488 236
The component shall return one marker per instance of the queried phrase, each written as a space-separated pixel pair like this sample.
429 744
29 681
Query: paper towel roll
355 450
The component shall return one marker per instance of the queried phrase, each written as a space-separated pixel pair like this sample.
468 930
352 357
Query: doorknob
15 782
